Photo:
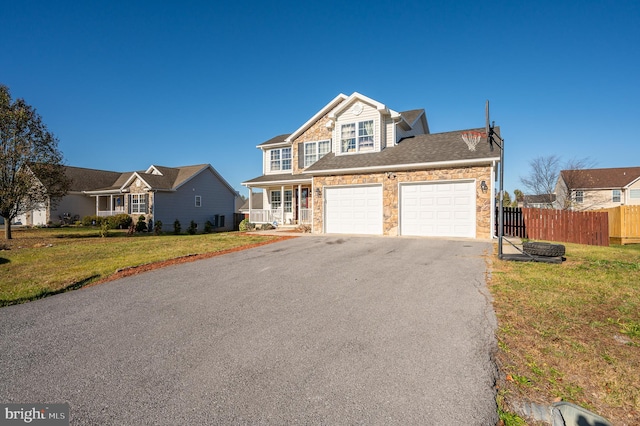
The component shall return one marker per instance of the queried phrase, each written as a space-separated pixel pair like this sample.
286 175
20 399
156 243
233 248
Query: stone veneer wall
390 211
317 132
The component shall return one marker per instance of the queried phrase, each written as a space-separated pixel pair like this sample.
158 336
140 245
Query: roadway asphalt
314 330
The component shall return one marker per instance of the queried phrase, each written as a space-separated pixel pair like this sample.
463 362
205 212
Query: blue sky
126 84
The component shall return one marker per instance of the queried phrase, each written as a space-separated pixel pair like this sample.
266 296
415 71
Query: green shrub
157 227
193 228
141 226
208 227
104 228
120 221
176 227
245 225
92 220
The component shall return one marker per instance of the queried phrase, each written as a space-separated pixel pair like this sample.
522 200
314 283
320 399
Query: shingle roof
539 199
256 202
100 180
276 140
88 179
411 115
418 150
600 178
279 178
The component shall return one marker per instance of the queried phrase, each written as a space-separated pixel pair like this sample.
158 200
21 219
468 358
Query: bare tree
543 177
31 173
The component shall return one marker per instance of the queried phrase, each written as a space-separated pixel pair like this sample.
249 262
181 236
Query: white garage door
438 209
353 210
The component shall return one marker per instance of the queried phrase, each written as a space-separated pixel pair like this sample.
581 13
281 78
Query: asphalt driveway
314 330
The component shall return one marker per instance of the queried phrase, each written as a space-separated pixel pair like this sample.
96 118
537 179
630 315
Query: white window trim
358 139
315 156
138 203
198 201
579 198
613 196
279 160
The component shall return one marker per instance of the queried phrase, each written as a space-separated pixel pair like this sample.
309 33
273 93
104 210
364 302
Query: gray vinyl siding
74 204
217 199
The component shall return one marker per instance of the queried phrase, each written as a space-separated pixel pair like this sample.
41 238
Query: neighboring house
256 203
589 189
187 193
542 201
358 167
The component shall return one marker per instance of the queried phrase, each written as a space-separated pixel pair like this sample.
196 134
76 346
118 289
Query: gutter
396 167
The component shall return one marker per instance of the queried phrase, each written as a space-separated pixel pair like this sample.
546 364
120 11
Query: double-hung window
579 197
276 200
198 201
356 137
313 151
138 203
288 198
615 196
280 159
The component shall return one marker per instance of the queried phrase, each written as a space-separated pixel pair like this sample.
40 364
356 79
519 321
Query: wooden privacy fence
589 227
513 222
624 224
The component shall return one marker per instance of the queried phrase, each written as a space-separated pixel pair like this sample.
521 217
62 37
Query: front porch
283 205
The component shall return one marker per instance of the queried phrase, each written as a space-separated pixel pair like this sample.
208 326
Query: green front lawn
39 262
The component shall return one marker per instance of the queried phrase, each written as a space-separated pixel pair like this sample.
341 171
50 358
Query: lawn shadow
47 293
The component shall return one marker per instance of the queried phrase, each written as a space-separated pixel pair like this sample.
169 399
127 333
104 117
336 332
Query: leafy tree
519 196
31 171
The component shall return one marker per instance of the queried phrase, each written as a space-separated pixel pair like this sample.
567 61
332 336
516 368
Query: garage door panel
353 210
438 209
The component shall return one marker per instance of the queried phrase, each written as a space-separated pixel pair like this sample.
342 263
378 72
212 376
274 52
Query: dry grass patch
572 331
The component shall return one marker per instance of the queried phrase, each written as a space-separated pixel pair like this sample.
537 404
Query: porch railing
107 213
275 215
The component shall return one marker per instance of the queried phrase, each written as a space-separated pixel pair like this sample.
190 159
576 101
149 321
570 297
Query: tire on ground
543 249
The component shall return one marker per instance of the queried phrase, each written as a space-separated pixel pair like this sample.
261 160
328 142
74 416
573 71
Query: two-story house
589 189
359 167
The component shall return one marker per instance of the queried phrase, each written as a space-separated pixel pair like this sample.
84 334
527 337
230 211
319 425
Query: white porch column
282 204
111 204
299 197
97 204
250 202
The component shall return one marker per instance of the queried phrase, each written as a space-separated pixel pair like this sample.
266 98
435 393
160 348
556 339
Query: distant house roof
256 202
539 199
421 150
157 177
601 178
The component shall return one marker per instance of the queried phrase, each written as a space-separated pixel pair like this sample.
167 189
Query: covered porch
110 205
285 203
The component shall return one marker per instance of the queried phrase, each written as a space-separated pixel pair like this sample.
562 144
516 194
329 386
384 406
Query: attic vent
156 172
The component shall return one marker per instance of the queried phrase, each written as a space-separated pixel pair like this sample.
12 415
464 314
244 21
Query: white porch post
299 197
250 201
97 204
282 205
111 204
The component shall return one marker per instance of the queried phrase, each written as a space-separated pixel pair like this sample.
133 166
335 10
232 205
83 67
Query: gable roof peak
326 109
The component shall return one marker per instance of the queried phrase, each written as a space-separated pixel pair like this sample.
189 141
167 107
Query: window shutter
146 203
301 155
